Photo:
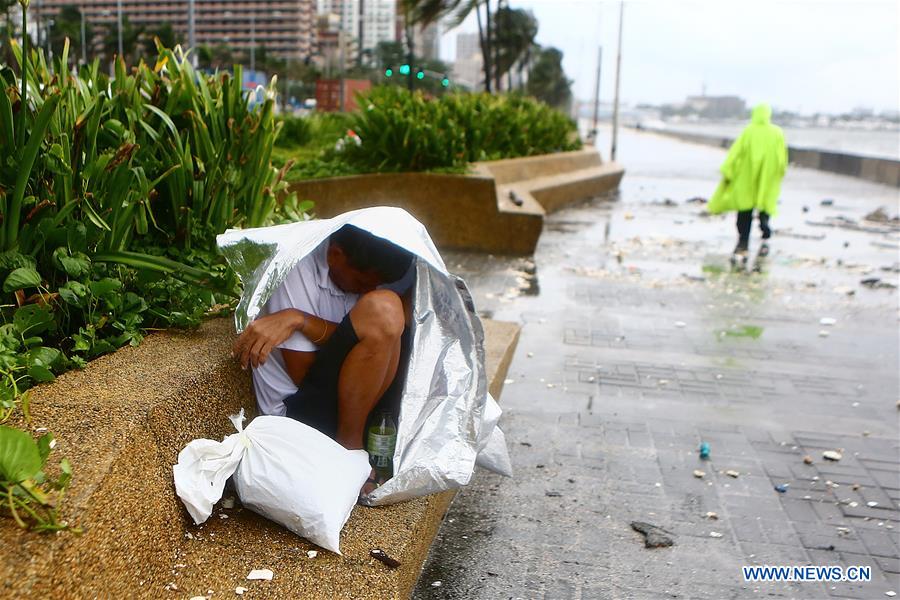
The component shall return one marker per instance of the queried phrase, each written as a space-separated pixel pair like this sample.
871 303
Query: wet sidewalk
639 344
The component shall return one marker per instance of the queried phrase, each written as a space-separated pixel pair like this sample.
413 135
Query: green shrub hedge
399 131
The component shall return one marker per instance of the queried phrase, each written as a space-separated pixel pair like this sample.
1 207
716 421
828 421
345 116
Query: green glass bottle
380 443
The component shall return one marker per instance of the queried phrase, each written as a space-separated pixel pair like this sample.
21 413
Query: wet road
638 344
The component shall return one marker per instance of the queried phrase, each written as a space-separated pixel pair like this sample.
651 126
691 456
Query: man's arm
264 334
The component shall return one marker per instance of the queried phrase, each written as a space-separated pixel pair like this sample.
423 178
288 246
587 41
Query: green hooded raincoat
752 172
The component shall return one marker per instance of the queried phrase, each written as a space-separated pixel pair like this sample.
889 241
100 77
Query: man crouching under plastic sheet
345 318
327 346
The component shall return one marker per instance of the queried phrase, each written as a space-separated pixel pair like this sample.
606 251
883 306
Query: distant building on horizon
717 107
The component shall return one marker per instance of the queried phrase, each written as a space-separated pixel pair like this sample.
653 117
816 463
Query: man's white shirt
307 287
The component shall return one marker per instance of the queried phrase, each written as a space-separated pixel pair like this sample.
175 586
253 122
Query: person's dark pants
316 399
744 223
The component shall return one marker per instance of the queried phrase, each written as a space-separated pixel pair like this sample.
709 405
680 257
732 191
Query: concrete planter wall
122 421
475 212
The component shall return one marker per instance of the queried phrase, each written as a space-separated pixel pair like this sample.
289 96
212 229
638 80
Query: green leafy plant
26 492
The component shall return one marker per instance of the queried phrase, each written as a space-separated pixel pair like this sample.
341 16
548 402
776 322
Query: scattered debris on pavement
875 283
261 574
704 450
732 473
827 321
808 459
699 474
712 516
781 488
832 455
715 534
654 536
381 555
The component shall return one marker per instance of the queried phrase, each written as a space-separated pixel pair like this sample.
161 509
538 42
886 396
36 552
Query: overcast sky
801 55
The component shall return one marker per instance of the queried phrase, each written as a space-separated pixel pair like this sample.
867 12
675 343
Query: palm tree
514 38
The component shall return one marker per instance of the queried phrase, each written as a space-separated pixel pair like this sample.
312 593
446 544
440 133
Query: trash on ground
436 583
199 598
827 321
704 450
228 502
827 202
712 516
879 215
781 488
239 590
808 459
871 504
854 487
732 473
824 333
654 537
699 474
552 494
379 554
261 574
312 553
876 283
832 455
715 534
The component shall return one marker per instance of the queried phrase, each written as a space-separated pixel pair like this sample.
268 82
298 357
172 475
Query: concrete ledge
122 422
474 212
870 168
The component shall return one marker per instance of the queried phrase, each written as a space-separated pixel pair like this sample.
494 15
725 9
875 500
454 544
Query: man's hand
256 342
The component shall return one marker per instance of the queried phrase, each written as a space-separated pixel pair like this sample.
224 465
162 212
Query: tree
166 35
514 38
131 38
547 81
67 24
389 54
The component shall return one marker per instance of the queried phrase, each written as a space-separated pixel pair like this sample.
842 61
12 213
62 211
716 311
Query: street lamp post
253 44
119 25
192 42
615 123
83 40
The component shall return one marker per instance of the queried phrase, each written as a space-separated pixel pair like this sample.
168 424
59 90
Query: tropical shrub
400 131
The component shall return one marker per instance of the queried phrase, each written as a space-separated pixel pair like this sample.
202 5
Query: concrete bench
123 420
550 182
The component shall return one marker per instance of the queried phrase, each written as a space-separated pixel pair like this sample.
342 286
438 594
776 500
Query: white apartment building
378 23
346 10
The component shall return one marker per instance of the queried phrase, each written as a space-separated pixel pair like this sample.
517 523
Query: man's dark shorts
316 400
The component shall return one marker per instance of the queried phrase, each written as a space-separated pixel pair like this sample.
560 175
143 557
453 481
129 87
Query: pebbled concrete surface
638 344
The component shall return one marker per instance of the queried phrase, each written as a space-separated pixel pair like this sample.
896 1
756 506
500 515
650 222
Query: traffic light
420 74
388 72
445 82
404 69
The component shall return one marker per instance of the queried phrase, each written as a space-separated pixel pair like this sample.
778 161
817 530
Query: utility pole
615 123
253 44
597 96
192 39
83 40
119 25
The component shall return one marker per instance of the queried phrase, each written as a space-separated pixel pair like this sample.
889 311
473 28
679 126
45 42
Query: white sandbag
283 470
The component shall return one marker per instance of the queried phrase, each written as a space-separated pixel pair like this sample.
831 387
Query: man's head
358 261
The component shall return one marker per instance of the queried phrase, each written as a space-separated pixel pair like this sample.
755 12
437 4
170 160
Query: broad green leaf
32 319
19 455
42 356
104 287
44 442
21 278
41 374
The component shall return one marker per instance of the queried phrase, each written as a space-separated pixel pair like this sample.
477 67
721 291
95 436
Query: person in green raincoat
751 178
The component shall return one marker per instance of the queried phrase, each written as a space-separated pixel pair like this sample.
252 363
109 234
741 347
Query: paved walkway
638 344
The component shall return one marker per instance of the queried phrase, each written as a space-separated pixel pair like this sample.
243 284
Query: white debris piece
699 474
436 583
715 534
240 590
199 598
228 502
312 553
832 455
264 574
680 324
732 473
827 321
823 333
871 504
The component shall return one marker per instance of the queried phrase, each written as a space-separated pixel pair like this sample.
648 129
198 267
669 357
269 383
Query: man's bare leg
371 365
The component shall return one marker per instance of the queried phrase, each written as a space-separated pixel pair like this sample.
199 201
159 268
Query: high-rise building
378 23
348 14
285 28
469 64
